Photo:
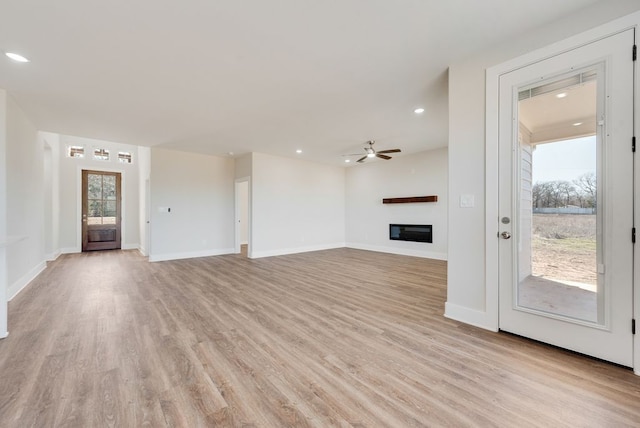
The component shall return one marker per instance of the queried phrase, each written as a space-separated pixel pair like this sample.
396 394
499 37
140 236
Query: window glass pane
101 154
76 152
95 186
109 187
94 216
109 212
124 157
559 248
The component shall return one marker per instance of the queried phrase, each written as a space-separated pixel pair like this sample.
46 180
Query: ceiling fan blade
389 151
385 157
361 159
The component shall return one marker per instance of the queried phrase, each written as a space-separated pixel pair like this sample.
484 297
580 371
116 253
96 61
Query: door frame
491 315
79 203
86 227
237 245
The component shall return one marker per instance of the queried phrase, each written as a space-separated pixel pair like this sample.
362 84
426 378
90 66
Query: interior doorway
101 210
242 217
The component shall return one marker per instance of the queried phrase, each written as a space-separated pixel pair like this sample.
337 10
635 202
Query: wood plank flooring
331 338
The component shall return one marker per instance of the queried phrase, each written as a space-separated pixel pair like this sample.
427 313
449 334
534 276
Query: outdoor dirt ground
564 247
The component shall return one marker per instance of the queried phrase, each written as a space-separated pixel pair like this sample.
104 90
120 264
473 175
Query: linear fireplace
410 232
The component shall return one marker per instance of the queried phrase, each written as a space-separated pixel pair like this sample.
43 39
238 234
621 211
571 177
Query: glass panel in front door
559 249
101 199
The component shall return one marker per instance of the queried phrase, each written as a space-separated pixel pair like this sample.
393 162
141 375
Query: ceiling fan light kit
370 152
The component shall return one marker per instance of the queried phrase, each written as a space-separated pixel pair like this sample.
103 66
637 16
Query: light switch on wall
467 201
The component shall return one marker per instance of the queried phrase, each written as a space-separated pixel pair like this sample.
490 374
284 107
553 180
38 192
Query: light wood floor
332 338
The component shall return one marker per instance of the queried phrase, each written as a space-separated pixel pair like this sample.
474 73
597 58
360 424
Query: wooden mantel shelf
409 200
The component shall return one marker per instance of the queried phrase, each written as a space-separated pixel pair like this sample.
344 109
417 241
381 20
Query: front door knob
505 235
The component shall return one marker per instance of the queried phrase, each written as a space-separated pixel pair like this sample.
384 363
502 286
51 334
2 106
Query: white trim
466 315
4 307
491 201
51 257
286 251
237 242
146 245
79 201
190 255
129 247
493 74
399 251
20 284
70 250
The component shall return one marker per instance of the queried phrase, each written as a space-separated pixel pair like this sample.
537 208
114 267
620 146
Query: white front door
566 200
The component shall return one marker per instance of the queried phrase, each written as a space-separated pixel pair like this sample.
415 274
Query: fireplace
410 232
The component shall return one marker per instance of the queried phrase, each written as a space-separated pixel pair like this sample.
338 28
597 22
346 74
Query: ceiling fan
370 152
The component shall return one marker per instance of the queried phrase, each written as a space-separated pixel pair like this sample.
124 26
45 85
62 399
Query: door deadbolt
505 235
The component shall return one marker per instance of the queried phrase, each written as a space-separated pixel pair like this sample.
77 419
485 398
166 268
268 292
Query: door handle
505 235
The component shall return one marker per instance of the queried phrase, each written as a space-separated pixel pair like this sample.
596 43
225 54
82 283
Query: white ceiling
272 76
550 118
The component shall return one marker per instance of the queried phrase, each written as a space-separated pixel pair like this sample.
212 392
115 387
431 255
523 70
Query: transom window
75 152
101 154
124 157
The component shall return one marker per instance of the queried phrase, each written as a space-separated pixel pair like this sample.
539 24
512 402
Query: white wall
51 145
3 213
24 199
367 219
244 166
71 190
144 190
469 298
296 206
3 166
243 208
243 172
199 190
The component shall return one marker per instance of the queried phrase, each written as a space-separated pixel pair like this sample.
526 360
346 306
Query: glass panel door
565 256
100 210
559 249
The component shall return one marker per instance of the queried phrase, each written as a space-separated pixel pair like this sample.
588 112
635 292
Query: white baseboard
75 250
399 251
285 251
3 335
19 285
469 316
143 251
190 254
51 257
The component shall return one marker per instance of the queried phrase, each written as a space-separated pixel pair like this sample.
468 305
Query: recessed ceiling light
16 57
230 153
347 160
419 110
298 151
561 95
577 124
